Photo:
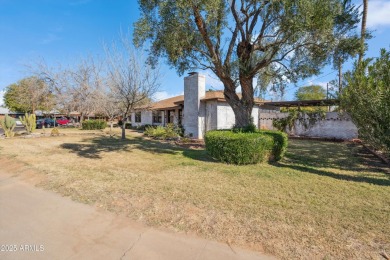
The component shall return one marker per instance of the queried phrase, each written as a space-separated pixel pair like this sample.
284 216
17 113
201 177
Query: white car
18 123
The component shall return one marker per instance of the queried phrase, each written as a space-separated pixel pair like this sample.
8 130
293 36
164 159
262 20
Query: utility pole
327 94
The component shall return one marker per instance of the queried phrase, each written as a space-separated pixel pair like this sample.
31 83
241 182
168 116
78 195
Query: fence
333 126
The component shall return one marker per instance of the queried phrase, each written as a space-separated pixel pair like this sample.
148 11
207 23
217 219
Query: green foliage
305 118
55 132
171 131
245 148
280 143
28 95
251 128
157 132
367 100
313 92
93 124
285 40
30 122
8 124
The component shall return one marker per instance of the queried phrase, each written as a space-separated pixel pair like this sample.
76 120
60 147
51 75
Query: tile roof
175 102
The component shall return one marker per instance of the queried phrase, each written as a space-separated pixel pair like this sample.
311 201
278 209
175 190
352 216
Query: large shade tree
29 95
239 40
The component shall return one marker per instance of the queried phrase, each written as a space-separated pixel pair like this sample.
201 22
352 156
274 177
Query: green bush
366 98
245 148
8 124
156 132
280 140
94 124
159 132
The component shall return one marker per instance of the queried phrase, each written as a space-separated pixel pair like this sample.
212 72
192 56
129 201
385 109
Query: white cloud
160 95
378 13
2 92
319 83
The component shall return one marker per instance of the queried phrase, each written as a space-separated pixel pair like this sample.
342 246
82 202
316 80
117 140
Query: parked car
45 122
62 121
18 122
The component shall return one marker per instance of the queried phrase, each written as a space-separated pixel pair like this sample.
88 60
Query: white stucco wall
132 118
226 118
211 115
146 118
333 126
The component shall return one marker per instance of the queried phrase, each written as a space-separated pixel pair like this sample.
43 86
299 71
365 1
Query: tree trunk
363 30
340 77
124 120
81 119
111 126
242 107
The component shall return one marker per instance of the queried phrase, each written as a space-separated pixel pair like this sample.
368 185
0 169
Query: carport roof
303 103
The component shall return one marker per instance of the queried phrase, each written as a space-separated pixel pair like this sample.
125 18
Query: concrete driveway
39 224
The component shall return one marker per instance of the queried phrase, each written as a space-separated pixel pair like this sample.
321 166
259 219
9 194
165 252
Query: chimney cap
192 73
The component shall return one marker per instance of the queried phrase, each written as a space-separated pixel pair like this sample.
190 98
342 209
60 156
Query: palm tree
363 29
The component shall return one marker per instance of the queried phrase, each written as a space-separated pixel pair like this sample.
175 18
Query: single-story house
5 111
197 110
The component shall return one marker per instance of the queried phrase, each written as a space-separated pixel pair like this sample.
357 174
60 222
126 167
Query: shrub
29 122
245 148
8 124
366 98
94 124
156 132
251 128
159 132
280 140
55 132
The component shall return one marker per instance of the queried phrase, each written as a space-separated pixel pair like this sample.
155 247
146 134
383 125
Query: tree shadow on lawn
381 180
307 156
343 156
92 148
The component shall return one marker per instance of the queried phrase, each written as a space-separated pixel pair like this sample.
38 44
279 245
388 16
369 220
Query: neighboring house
3 112
197 110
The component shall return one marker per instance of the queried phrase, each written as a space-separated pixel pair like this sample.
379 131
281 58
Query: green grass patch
323 200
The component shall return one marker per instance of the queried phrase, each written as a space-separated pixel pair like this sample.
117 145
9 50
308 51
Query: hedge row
245 148
94 124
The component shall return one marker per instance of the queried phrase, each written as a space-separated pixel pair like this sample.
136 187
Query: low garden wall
333 126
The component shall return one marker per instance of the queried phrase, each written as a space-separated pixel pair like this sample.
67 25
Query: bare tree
131 80
74 87
108 105
83 82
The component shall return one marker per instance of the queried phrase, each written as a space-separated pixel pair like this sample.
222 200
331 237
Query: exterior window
157 117
138 117
180 116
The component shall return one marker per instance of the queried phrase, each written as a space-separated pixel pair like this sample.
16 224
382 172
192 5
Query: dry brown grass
324 200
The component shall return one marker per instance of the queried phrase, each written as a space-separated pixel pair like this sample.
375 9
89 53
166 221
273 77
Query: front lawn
323 200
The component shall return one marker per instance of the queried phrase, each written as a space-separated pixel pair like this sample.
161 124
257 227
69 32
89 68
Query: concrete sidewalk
39 224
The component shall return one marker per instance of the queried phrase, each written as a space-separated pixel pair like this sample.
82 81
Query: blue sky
61 31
